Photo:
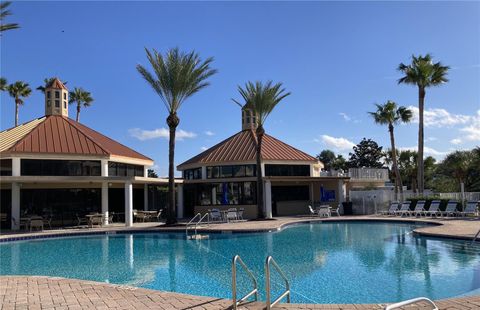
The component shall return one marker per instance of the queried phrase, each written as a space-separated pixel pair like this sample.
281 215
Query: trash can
347 208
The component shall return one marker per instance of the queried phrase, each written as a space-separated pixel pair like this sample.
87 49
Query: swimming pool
330 262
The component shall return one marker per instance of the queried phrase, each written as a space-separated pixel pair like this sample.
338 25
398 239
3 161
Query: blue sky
337 59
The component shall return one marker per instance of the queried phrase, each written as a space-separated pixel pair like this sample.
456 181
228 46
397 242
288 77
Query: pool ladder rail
194 223
411 302
476 236
269 262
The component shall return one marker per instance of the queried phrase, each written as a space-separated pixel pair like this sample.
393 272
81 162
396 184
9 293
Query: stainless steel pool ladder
268 263
410 302
196 221
236 259
476 236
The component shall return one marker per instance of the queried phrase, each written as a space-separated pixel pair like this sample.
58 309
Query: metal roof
241 147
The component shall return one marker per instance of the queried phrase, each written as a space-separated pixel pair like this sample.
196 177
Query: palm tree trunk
17 104
420 171
172 122
260 132
398 178
78 112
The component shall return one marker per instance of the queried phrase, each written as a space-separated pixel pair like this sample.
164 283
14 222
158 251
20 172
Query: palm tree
18 90
262 99
423 73
389 114
47 81
3 14
176 76
81 97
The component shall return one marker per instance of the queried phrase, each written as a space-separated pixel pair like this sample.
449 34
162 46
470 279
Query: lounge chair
312 211
159 215
96 220
215 215
335 210
419 209
48 222
240 213
451 209
36 222
391 210
434 209
470 209
232 214
81 220
404 209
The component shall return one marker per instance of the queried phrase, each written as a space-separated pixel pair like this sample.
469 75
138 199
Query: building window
64 96
60 167
192 174
291 193
57 103
49 103
48 94
64 104
226 193
236 171
6 167
287 170
57 94
124 170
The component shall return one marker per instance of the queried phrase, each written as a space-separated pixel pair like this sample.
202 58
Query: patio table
91 217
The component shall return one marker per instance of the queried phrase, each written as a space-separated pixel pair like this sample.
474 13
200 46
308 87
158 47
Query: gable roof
57 84
241 147
55 134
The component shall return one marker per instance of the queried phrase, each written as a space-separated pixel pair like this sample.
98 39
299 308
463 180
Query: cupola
56 98
249 118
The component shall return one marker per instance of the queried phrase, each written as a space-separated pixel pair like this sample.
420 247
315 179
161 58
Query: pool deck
37 292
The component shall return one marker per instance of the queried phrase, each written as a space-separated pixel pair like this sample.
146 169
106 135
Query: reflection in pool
343 262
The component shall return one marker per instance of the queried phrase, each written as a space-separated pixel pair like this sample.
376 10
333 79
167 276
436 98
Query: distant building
60 169
224 176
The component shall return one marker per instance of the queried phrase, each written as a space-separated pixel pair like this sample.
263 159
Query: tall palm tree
262 99
47 81
423 73
81 97
18 91
3 84
176 76
389 114
4 12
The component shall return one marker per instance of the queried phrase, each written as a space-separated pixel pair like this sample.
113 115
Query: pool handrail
190 223
271 262
206 215
411 301
236 259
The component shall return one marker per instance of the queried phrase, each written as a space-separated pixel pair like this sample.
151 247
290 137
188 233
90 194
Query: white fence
368 174
374 201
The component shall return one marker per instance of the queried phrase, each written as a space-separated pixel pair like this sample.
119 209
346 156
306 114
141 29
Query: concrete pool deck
37 292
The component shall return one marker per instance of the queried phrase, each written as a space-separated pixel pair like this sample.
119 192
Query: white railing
271 262
235 302
411 302
368 174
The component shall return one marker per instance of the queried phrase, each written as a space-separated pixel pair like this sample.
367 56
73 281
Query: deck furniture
231 214
3 218
419 209
215 215
391 210
48 222
81 220
324 211
434 209
25 222
404 209
95 219
470 209
36 223
159 215
451 209
312 211
240 213
335 210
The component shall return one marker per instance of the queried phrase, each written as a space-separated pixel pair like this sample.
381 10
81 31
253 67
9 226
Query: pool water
343 262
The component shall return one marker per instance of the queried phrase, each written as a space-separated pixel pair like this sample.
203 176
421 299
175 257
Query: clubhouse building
224 176
59 169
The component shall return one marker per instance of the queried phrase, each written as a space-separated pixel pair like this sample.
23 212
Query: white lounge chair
312 211
419 209
335 210
240 213
36 222
159 215
451 209
215 215
391 210
434 209
470 209
232 214
404 209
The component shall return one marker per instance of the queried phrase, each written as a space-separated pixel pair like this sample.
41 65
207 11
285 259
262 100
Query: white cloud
209 133
432 139
203 148
440 117
345 116
456 141
143 135
473 130
426 150
336 143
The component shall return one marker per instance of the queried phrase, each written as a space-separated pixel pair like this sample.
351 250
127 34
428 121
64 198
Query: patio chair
141 216
471 208
159 215
312 211
451 209
335 210
419 209
96 220
434 209
215 215
404 209
81 220
324 210
36 222
48 222
232 214
240 213
391 210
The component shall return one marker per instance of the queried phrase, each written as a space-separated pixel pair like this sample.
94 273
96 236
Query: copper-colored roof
57 84
56 134
241 147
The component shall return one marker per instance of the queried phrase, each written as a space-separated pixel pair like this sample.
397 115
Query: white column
204 172
105 203
128 204
145 197
145 171
263 169
180 201
268 199
104 167
15 167
15 206
341 191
